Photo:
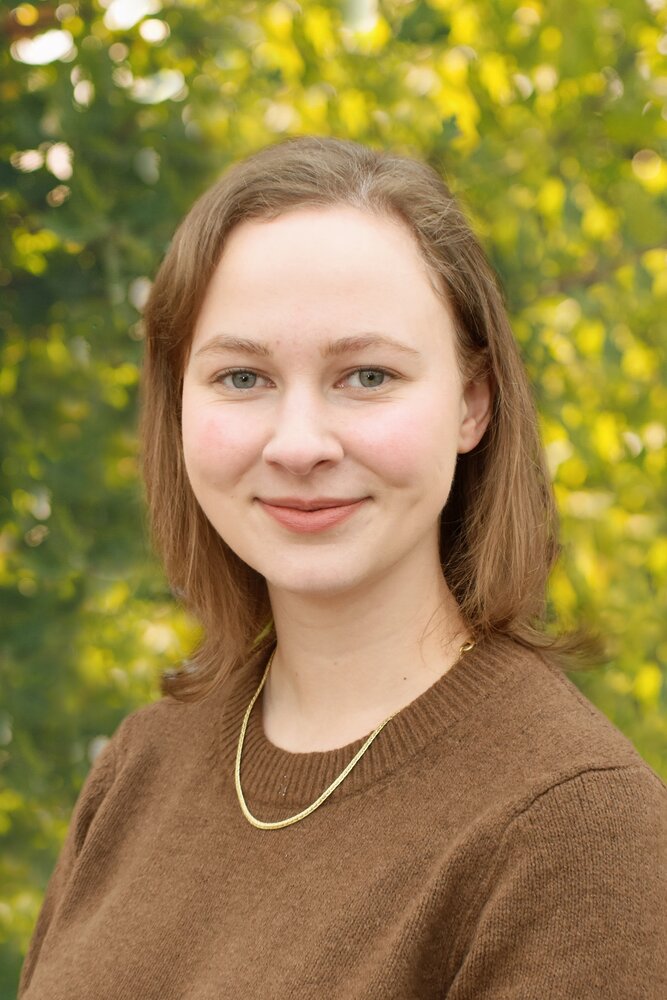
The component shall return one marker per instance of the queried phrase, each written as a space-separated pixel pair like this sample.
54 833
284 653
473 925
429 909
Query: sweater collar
276 778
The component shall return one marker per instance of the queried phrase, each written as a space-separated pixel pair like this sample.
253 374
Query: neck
343 665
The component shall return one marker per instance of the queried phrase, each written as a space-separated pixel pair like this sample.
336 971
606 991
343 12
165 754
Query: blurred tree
549 121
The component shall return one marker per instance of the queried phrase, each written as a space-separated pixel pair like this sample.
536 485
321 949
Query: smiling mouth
293 503
310 520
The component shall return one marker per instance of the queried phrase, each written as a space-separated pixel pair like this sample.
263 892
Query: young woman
374 779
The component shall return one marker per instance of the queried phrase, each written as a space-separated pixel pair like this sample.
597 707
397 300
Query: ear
476 405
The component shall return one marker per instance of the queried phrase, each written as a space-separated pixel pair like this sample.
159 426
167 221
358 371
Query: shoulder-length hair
499 527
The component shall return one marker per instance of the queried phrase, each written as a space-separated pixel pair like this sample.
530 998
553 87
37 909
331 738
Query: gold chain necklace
279 824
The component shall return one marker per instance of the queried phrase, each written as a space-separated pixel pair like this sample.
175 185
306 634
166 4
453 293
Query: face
322 368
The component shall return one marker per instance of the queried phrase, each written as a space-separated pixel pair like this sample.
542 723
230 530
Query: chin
314 584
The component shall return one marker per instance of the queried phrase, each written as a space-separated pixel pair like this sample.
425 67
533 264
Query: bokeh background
549 121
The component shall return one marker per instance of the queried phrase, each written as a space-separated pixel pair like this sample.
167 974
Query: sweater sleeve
577 902
97 784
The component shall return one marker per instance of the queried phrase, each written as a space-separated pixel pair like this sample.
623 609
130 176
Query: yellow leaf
639 362
40 242
318 29
657 559
650 170
648 683
551 197
315 109
26 14
573 472
557 452
593 83
354 112
590 567
551 39
571 415
453 66
618 681
655 463
659 287
625 276
495 78
278 19
8 377
562 592
57 353
655 260
367 40
559 346
605 437
505 229
598 222
590 337
114 598
464 26
282 56
460 105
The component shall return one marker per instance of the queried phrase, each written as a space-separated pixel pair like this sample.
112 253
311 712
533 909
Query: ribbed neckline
276 777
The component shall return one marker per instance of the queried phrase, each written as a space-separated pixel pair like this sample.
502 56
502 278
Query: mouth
324 503
308 519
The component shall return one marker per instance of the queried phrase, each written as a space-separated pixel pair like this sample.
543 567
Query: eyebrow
345 345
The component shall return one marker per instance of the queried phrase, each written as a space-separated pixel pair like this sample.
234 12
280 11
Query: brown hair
499 528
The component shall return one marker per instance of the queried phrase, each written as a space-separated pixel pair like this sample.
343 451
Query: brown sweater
500 840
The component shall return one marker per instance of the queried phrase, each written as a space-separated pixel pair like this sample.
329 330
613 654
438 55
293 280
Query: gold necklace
279 824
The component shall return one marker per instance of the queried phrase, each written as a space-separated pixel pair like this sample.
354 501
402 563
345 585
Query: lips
295 503
308 520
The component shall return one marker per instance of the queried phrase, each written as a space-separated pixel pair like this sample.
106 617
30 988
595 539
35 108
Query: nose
303 435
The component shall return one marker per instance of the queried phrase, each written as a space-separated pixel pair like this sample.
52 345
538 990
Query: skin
364 620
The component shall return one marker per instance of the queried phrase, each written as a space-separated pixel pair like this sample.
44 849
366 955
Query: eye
371 378
242 378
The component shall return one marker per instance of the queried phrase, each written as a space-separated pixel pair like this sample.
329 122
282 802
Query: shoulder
607 819
587 792
570 832
538 744
541 718
573 896
166 729
590 782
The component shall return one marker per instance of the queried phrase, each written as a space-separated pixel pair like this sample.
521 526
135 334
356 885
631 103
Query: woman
374 779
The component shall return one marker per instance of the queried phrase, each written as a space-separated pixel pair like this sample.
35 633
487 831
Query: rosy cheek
400 443
215 446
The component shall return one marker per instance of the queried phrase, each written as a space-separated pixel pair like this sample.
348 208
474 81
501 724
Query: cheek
214 449
409 445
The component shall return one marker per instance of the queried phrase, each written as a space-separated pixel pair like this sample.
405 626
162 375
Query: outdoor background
549 120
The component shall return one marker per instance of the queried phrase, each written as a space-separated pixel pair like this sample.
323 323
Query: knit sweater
499 840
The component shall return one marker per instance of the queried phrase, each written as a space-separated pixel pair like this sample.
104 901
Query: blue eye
242 378
246 379
368 375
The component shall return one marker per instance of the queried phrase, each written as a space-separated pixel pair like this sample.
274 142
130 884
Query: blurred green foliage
549 120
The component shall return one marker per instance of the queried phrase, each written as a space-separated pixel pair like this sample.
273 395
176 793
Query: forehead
334 270
336 239
324 230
